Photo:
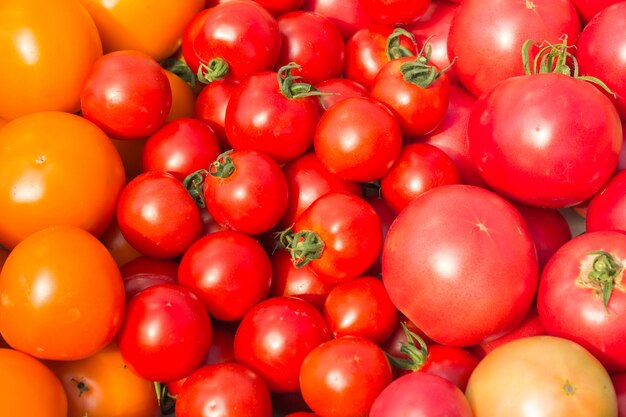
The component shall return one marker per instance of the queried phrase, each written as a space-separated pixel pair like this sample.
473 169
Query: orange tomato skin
103 386
56 169
47 48
28 387
61 295
183 98
154 27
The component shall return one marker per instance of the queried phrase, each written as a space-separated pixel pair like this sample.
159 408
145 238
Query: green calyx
303 246
603 274
419 71
194 184
290 88
216 69
181 69
223 166
416 350
394 49
556 59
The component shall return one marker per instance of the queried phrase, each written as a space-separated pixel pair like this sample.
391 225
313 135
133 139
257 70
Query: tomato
421 394
340 235
143 272
34 40
103 386
211 107
183 97
395 12
308 179
348 15
166 333
343 377
619 383
581 296
587 9
125 24
21 377
419 168
61 295
487 37
360 307
275 336
553 377
598 51
40 153
358 139
279 7
605 211
229 271
338 89
252 44
440 270
127 94
557 141
180 147
313 41
245 190
386 215
229 389
157 216
117 245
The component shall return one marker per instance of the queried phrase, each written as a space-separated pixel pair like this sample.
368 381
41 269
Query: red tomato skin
395 12
587 9
210 107
619 383
607 208
438 270
348 15
338 89
570 310
571 156
144 272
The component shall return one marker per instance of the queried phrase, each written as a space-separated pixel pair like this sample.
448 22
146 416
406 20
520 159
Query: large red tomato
607 208
444 267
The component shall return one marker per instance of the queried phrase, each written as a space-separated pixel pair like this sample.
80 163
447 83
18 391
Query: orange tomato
151 26
117 244
61 295
183 98
103 386
28 387
47 49
130 151
56 169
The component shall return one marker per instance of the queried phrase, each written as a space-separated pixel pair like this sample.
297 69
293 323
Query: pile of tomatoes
333 208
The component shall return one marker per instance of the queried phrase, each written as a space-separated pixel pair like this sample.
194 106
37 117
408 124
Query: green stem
181 69
304 246
223 166
194 184
291 89
216 69
419 71
394 49
602 276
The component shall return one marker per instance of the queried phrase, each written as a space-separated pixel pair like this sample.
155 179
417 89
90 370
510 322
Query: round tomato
444 267
348 15
395 12
56 169
117 245
280 7
28 387
211 105
103 386
143 272
338 89
48 49
61 295
587 9
606 208
183 97
541 376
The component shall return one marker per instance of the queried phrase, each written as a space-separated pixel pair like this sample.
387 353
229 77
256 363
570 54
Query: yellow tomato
47 49
154 27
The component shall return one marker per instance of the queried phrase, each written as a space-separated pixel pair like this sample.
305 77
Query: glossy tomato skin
571 156
280 7
166 333
275 336
348 15
62 295
358 139
21 374
183 97
487 37
40 153
439 270
143 272
571 304
229 271
606 208
260 117
250 199
103 386
421 394
34 40
211 105
180 147
338 89
560 375
344 376
229 389
125 24
253 44
587 9
126 94
157 216
395 12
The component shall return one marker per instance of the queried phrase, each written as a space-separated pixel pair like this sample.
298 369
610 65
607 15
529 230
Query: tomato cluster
333 208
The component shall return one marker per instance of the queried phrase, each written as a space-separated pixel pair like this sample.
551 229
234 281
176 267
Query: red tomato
229 271
211 107
587 9
157 216
619 383
339 235
117 245
344 376
581 296
166 333
230 389
421 394
314 42
419 168
126 94
279 7
360 307
338 89
606 208
143 272
348 15
275 336
487 36
395 12
180 147
438 268
386 215
358 139
562 123
61 295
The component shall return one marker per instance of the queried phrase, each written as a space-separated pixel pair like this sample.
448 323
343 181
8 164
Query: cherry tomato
605 211
211 107
338 89
279 7
395 12
348 15
143 272
587 9
183 98
117 245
